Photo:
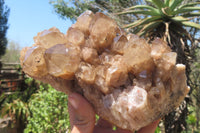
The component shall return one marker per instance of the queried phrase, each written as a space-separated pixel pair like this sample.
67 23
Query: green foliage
39 108
4 13
48 112
158 130
19 97
6 100
72 8
194 116
16 110
191 119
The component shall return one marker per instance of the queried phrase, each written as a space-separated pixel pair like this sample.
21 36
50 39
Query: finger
150 128
82 116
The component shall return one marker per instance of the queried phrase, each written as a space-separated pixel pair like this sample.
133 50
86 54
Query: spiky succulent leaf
143 21
143 12
192 14
158 3
175 3
185 10
149 20
189 4
179 19
136 23
149 27
150 8
191 24
137 29
167 3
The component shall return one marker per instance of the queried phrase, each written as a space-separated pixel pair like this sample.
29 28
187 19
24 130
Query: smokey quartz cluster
129 82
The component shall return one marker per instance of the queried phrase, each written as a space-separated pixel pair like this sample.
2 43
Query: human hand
82 118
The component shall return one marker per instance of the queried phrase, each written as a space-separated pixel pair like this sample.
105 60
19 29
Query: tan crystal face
62 60
33 61
128 81
75 36
49 38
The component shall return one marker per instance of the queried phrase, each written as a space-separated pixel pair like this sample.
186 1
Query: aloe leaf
185 10
149 27
143 7
191 24
137 29
158 3
189 4
175 3
132 24
151 1
179 19
171 2
167 3
144 12
142 33
143 21
192 14
150 19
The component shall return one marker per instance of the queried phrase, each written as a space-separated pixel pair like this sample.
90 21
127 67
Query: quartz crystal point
128 81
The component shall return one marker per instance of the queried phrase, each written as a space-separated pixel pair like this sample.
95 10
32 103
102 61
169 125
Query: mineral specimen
128 81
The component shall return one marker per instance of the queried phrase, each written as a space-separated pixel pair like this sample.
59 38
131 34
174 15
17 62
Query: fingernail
73 100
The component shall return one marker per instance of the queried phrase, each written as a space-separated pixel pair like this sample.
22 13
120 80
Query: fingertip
81 107
79 103
73 100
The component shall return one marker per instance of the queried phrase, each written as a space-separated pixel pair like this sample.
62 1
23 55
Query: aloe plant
173 21
158 13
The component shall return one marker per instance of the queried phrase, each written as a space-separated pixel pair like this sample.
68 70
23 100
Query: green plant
192 120
38 108
48 112
170 13
17 109
158 130
71 9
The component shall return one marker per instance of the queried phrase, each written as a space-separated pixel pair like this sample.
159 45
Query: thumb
82 116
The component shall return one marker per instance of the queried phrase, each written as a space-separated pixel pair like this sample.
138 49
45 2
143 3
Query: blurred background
27 105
